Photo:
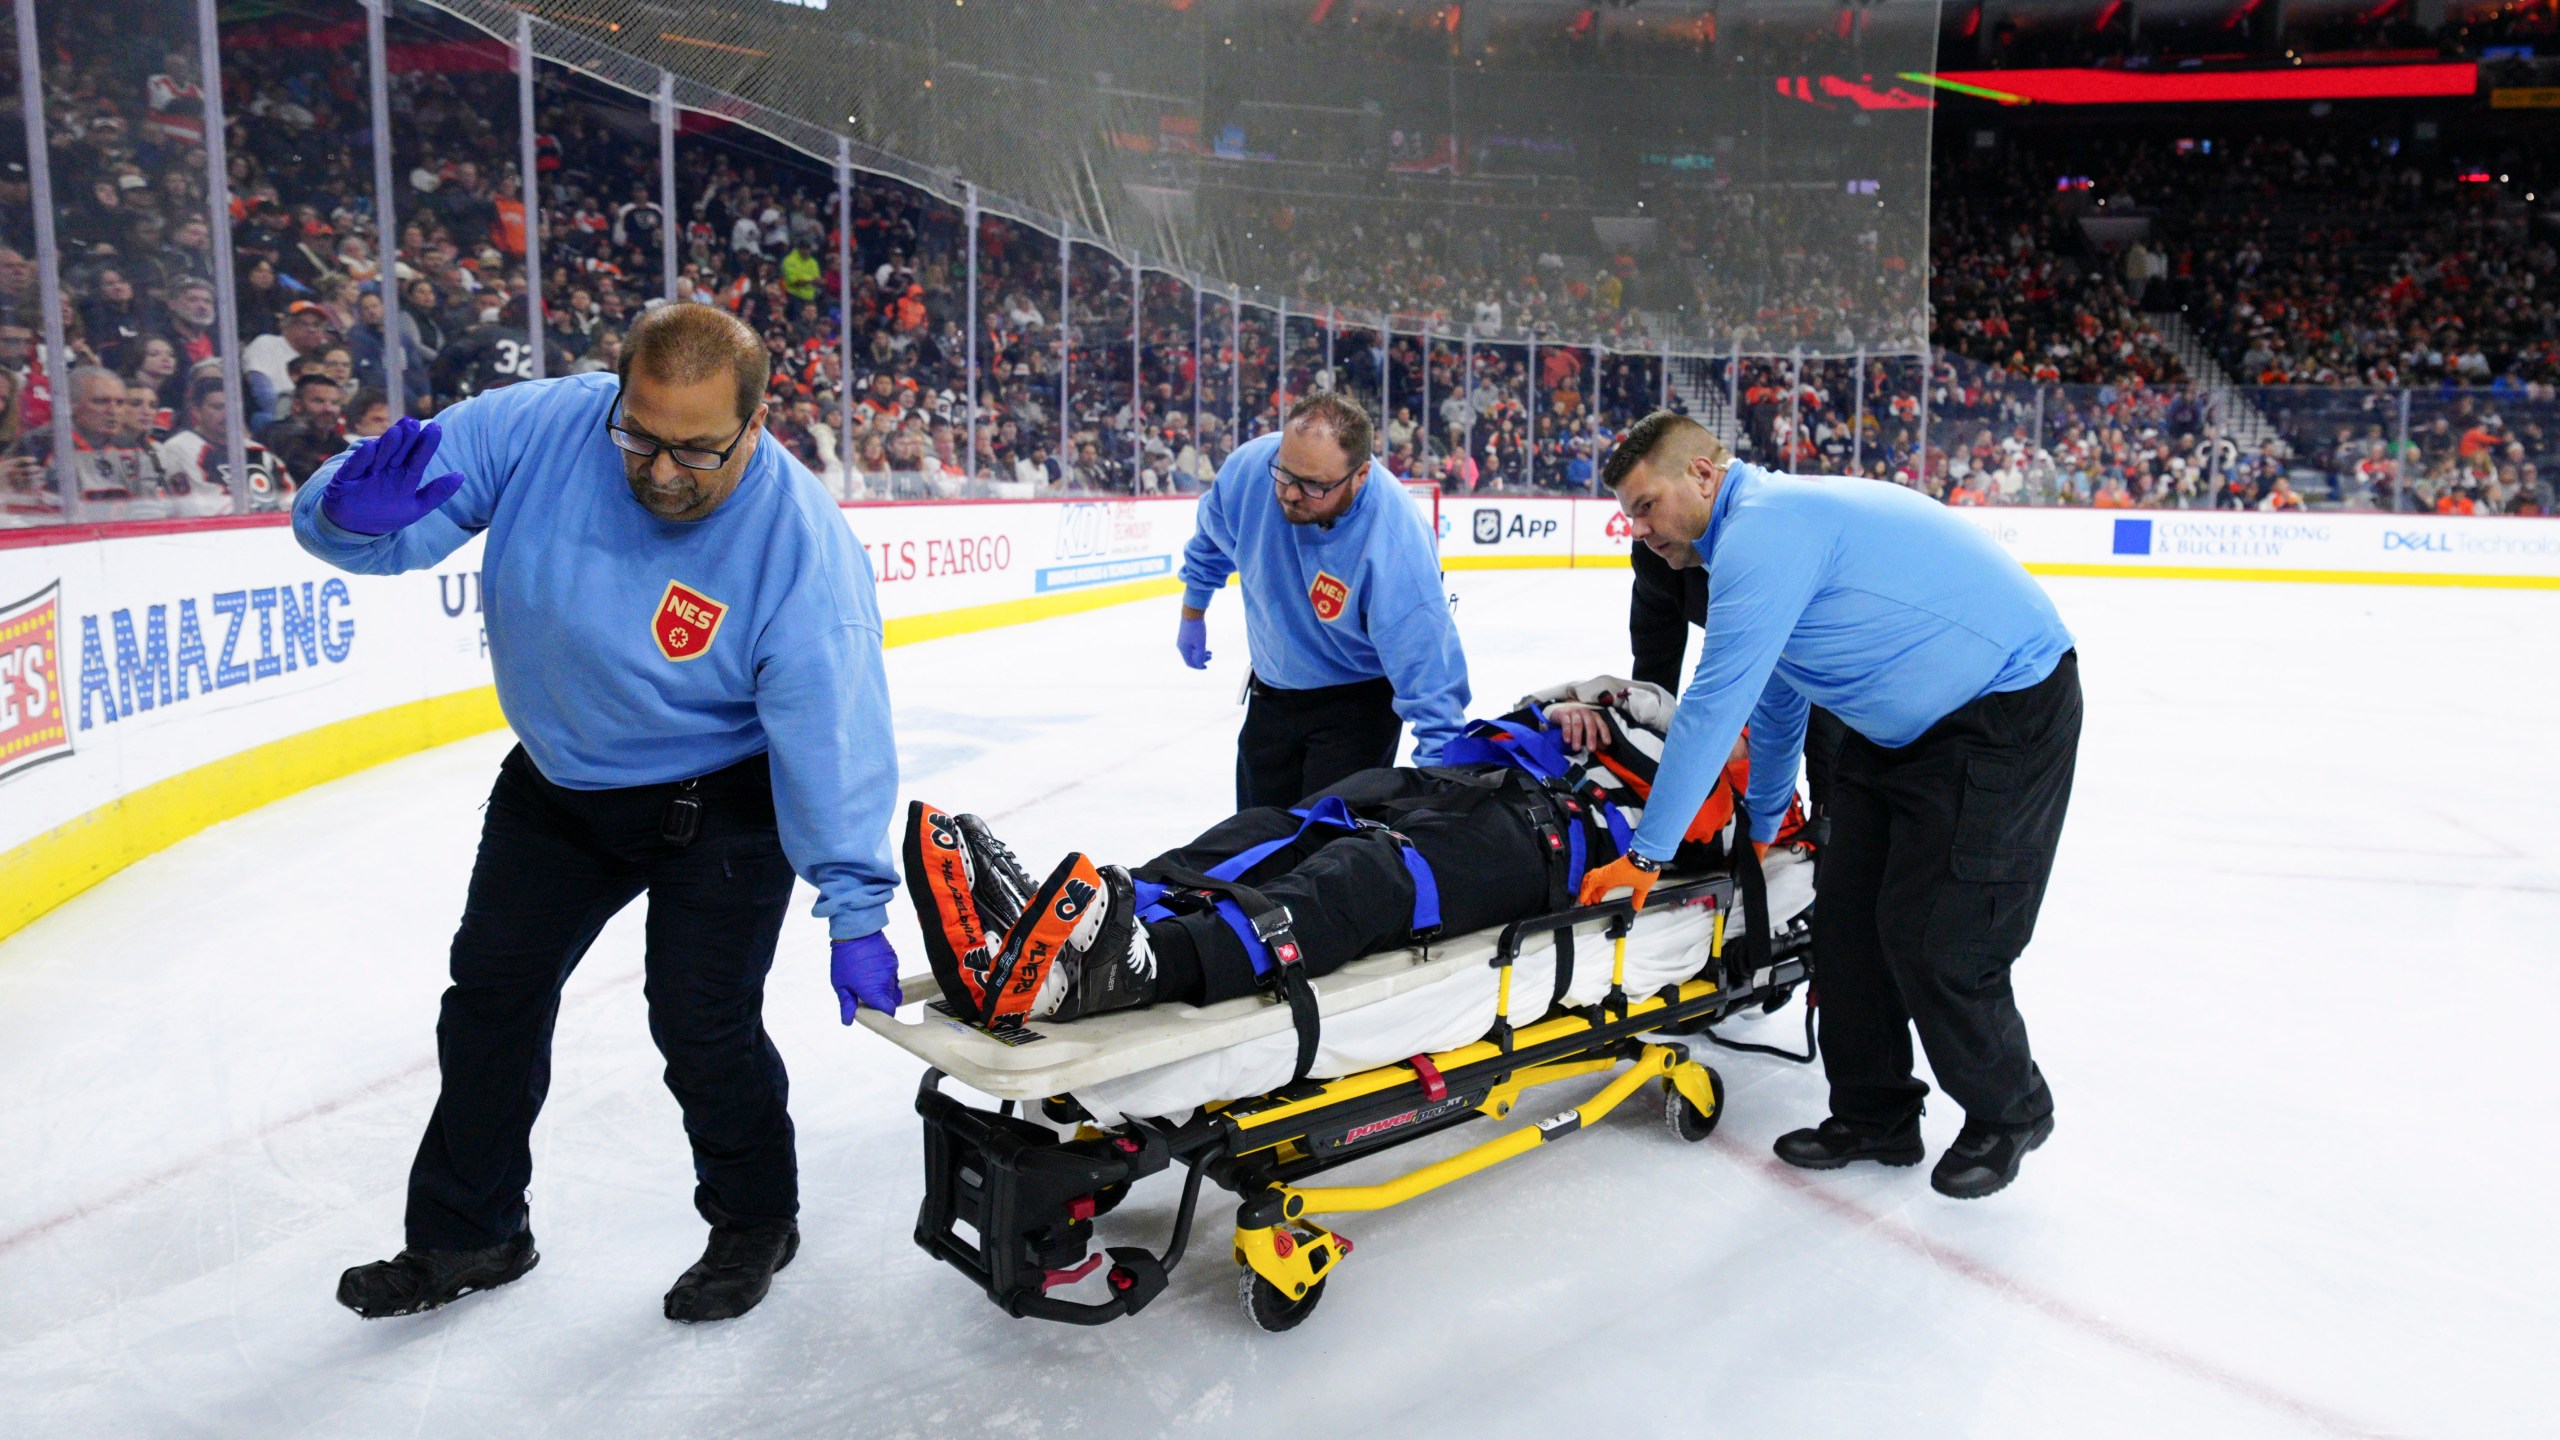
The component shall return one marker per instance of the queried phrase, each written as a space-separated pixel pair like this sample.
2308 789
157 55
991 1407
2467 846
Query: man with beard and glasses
1348 627
687 645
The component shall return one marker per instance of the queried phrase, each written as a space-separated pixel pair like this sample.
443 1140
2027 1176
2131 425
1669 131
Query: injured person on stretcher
1388 858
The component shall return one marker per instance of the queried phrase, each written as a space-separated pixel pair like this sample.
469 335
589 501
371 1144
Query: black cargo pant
1937 865
1296 742
555 864
1350 894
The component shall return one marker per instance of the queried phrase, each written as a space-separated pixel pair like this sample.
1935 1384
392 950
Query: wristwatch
1648 866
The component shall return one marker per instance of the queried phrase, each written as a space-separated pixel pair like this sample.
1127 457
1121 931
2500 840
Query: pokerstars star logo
686 623
1328 595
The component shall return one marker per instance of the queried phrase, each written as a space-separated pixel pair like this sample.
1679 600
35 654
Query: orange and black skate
941 882
1077 949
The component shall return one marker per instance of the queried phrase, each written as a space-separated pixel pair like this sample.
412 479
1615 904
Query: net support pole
528 155
1529 403
1387 374
1733 393
1858 423
1280 362
1920 468
226 300
1199 363
57 348
1795 410
1422 461
1235 369
1332 325
1662 395
1139 424
2400 457
1061 454
1467 391
1594 412
667 226
969 370
386 217
844 311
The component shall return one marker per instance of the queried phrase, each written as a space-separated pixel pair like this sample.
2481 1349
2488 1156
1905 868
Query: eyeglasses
691 457
1306 489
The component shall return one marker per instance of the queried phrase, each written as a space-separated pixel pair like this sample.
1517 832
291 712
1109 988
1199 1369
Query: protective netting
1685 176
998 247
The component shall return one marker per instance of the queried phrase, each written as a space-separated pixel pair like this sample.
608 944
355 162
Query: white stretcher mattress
1378 1009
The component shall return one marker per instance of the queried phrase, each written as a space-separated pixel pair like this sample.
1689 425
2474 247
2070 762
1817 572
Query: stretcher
1412 1043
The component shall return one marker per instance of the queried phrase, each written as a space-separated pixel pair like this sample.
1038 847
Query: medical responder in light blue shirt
1960 689
1349 628
687 646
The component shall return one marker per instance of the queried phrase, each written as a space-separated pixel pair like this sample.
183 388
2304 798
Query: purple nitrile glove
865 972
377 489
1192 639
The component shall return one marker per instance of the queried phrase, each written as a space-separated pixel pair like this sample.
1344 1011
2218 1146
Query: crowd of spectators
2298 263
2467 451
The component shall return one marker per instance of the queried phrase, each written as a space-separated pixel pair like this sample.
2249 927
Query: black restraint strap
1751 885
1270 921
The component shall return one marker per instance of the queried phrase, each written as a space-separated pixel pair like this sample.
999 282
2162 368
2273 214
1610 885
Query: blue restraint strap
1330 811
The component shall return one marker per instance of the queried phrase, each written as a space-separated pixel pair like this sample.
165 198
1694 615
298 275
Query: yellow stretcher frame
1010 1204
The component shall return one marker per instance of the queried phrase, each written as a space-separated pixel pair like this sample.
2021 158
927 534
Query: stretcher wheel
1273 1310
1683 1117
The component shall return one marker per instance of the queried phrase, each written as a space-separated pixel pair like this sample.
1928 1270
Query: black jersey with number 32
485 357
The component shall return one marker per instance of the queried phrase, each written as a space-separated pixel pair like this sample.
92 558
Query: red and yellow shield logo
687 622
1328 596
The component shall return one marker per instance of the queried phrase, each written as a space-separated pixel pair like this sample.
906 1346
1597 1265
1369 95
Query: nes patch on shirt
687 622
1328 595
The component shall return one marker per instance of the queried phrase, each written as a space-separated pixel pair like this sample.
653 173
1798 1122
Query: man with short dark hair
368 415
310 432
687 645
1960 689
198 458
1348 626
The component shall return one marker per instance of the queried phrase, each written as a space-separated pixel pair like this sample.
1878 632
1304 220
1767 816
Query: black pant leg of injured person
1350 894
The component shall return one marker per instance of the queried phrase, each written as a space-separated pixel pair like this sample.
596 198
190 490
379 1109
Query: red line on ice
2054 1307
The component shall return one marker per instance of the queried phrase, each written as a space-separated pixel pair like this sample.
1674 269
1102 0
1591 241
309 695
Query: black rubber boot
1983 1160
735 1271
1836 1142
415 1281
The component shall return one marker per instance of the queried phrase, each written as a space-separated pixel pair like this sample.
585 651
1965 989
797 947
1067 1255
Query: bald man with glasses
1344 614
687 645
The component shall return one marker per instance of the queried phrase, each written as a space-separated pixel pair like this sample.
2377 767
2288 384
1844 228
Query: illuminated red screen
2119 87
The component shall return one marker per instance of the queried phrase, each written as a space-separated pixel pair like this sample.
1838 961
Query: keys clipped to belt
683 820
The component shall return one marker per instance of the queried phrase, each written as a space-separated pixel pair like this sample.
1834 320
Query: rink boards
157 681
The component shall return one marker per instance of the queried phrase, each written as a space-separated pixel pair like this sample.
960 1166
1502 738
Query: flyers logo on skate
686 623
1038 940
1073 899
1328 595
944 830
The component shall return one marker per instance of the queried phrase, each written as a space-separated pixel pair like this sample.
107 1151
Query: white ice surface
2294 987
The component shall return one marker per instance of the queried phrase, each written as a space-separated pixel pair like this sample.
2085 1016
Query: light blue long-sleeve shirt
1390 616
576 579
1874 601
